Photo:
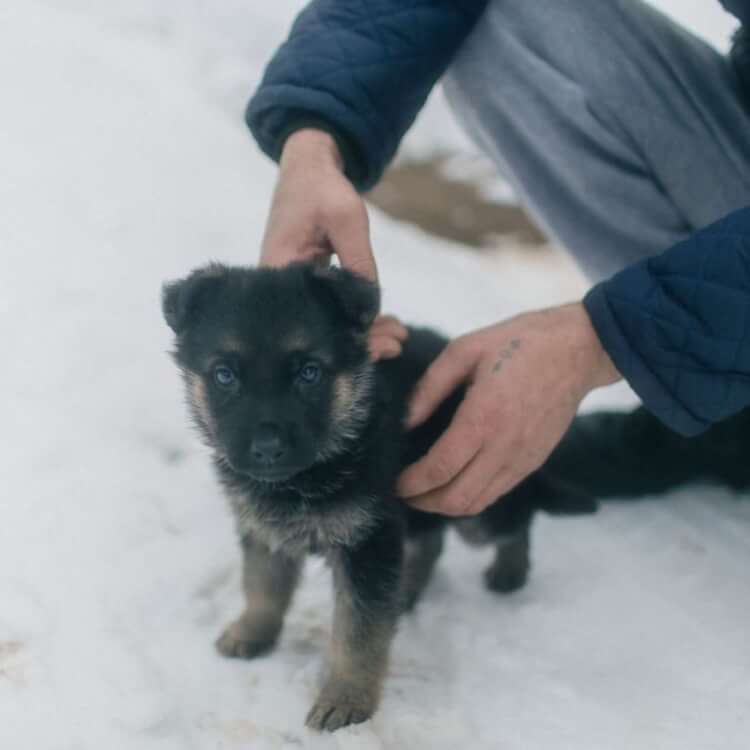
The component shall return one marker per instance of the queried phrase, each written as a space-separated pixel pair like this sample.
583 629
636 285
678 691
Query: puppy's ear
354 295
180 299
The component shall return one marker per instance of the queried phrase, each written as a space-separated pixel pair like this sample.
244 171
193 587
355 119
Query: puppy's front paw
248 637
339 705
505 579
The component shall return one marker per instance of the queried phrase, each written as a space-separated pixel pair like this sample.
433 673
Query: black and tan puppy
308 441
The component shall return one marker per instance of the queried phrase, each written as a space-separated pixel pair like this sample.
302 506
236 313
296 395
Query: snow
124 163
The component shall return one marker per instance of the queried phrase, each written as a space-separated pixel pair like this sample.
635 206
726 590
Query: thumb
442 377
349 235
282 255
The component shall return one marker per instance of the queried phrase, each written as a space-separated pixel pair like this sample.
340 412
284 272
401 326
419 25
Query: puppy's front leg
269 580
367 584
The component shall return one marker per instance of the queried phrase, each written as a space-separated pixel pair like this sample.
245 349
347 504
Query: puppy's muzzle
267 447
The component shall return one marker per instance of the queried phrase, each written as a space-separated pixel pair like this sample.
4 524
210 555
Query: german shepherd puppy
308 440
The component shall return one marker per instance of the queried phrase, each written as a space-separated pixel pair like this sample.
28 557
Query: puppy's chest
303 526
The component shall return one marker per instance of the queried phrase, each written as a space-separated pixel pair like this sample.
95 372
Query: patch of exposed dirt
423 192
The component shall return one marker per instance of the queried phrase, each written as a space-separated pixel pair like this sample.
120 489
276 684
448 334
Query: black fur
629 455
338 446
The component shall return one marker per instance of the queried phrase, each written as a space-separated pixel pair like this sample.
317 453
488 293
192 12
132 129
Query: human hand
385 337
526 377
315 211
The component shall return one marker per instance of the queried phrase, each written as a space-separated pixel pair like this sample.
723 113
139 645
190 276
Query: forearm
361 72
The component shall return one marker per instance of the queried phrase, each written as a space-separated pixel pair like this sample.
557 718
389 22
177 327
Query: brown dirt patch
420 192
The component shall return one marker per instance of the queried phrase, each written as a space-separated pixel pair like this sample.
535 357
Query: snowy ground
123 162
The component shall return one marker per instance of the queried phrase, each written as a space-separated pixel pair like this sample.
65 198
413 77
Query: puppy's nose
267 446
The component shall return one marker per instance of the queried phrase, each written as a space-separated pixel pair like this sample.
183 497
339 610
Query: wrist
599 367
311 145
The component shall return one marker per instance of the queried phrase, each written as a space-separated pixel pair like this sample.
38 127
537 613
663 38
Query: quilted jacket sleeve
360 69
677 326
740 52
739 8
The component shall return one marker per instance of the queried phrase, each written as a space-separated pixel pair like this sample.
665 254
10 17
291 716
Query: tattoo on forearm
506 354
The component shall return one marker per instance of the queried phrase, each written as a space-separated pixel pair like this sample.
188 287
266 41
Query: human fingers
348 230
468 493
383 347
280 255
448 456
390 325
452 367
385 337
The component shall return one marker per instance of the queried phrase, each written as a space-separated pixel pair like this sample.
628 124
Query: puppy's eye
223 376
309 374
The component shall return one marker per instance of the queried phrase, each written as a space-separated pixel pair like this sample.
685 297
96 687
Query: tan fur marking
359 659
359 642
295 341
199 400
343 397
232 344
269 581
350 410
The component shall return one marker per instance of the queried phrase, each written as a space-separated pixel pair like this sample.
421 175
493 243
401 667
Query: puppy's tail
631 455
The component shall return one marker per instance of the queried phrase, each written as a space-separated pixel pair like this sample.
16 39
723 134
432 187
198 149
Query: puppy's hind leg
510 568
367 582
269 580
421 553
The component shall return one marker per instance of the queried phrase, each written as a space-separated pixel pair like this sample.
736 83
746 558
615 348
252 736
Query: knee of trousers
523 53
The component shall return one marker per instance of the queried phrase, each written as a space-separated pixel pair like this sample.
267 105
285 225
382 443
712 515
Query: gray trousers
621 132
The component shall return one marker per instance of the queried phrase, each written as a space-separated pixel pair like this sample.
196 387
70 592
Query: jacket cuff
740 59
654 394
272 140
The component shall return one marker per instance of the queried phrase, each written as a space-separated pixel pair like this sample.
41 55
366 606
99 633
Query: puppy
308 441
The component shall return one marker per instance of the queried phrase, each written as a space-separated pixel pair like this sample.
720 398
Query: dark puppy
308 442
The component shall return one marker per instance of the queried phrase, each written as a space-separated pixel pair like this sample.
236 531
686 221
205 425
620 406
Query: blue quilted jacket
677 325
